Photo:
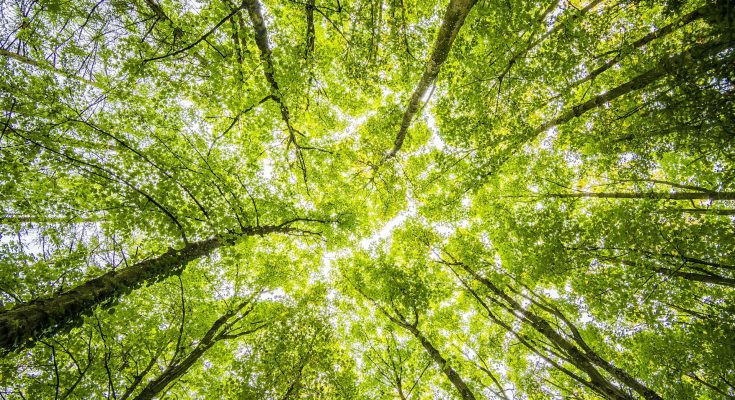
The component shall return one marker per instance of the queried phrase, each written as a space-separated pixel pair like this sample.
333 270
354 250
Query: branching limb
201 39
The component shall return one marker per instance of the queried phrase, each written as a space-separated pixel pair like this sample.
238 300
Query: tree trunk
261 40
711 211
581 357
666 30
454 17
597 382
47 67
714 196
310 34
41 317
217 332
441 362
435 355
665 67
708 277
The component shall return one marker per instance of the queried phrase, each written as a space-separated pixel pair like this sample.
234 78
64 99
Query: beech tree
367 199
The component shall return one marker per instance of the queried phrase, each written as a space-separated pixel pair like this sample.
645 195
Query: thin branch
202 38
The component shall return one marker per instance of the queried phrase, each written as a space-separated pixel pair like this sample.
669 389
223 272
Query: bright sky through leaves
383 199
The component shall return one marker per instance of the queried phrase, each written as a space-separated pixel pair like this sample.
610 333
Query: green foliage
563 203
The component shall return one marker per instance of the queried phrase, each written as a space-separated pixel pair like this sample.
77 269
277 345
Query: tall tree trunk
659 33
579 354
43 65
454 17
42 317
714 196
598 383
710 211
310 33
433 352
261 40
138 378
671 65
217 332
441 362
707 277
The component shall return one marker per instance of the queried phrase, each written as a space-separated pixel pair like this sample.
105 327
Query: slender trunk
706 278
698 261
404 31
261 40
575 355
709 385
711 211
157 385
666 30
622 376
651 254
667 66
293 387
583 358
714 196
160 14
217 332
310 34
590 354
137 379
597 382
454 17
34 219
501 390
178 32
434 353
47 67
441 362
38 318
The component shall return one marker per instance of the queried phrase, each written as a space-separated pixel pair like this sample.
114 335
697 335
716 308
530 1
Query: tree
367 199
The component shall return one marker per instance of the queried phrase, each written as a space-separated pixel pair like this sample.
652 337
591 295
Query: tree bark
597 382
47 67
433 352
39 318
441 362
581 357
707 277
714 279
711 211
261 40
310 33
714 196
176 370
665 67
454 17
666 30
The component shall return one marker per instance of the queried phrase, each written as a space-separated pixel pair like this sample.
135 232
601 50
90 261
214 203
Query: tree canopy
353 199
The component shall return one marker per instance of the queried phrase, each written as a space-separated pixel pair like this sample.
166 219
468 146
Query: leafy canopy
401 199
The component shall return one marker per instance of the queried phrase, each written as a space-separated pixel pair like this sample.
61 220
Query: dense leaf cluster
330 199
